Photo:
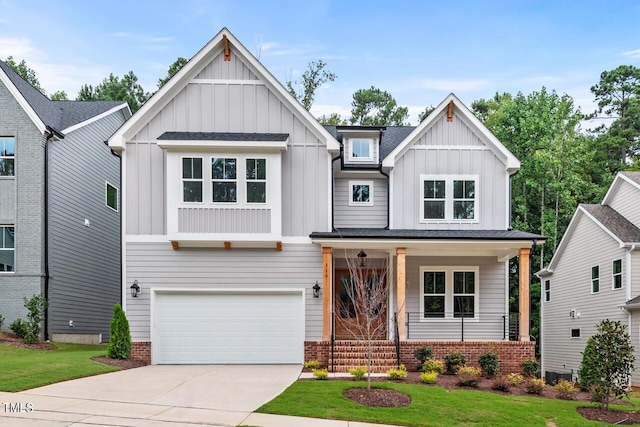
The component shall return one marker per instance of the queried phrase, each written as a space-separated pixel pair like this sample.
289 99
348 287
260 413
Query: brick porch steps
353 354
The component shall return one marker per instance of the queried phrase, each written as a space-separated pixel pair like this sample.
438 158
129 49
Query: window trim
10 157
448 199
214 180
257 180
547 290
107 184
593 279
200 180
449 314
353 183
2 248
369 159
614 275
575 337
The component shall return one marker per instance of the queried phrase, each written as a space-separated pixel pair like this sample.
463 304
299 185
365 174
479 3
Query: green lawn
22 369
430 406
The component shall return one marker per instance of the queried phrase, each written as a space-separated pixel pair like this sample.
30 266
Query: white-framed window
256 174
449 292
575 333
361 149
7 156
224 180
595 279
448 198
361 193
617 274
547 290
192 179
111 196
7 248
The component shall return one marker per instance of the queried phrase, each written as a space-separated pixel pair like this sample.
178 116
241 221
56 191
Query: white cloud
18 47
632 53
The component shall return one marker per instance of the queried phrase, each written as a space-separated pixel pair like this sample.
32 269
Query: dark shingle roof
391 137
633 176
223 136
378 233
57 114
621 227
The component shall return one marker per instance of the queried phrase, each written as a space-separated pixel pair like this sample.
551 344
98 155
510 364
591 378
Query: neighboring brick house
59 209
594 275
240 212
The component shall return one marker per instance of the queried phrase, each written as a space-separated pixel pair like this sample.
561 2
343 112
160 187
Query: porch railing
458 326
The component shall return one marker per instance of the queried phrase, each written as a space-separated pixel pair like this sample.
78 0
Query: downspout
383 173
510 201
119 216
333 205
628 256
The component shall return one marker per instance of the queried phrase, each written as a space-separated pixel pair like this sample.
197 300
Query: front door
360 304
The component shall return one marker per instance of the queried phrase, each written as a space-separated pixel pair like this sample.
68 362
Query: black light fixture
316 290
362 256
135 289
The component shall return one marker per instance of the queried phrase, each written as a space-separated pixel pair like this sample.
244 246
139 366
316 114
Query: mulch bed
123 364
377 397
611 417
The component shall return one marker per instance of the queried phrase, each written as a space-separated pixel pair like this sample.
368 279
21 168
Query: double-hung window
7 248
192 179
224 180
464 199
7 156
617 274
361 149
448 198
547 290
434 293
435 198
256 180
449 292
464 285
595 279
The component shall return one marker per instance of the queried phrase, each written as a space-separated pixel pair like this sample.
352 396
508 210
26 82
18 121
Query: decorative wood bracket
227 51
175 245
227 246
450 111
279 246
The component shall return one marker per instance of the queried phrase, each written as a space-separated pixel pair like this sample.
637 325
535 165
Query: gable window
434 290
595 279
575 333
448 198
111 195
7 156
361 149
449 292
192 179
617 274
361 193
7 248
547 290
224 179
256 180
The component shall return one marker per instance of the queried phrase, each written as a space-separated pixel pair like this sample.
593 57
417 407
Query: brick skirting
141 351
510 353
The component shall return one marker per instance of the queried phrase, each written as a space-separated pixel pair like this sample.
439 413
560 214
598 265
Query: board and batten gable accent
454 133
219 69
353 216
625 201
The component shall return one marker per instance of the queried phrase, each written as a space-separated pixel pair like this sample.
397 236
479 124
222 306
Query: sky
419 51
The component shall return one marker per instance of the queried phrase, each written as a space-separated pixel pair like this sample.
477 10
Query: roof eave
22 101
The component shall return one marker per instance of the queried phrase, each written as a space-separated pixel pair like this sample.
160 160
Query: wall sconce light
135 289
316 290
362 256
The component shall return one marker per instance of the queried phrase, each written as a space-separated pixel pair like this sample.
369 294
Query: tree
314 77
59 95
119 337
115 89
173 69
36 307
25 72
428 110
375 107
607 363
334 119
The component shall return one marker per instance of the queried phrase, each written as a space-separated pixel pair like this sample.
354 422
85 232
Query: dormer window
362 149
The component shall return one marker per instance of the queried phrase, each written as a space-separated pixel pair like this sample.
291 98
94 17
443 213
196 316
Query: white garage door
241 327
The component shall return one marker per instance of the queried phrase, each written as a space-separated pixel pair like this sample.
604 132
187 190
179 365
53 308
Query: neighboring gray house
237 203
59 209
594 275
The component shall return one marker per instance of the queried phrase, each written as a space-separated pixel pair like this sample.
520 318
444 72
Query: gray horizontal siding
347 216
224 220
156 265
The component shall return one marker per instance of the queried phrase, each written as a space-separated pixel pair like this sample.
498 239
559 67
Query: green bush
501 384
36 307
534 385
358 373
433 365
454 361
489 363
1 322
514 379
321 374
429 377
530 368
312 364
565 389
119 336
423 354
19 328
397 374
469 375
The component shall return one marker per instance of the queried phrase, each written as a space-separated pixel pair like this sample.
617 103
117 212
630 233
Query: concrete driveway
152 396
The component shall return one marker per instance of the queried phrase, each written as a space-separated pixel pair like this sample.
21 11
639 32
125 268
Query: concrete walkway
163 396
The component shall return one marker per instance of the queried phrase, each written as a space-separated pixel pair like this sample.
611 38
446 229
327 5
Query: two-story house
59 209
592 276
241 212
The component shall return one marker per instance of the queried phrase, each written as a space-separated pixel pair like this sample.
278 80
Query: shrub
433 365
321 374
514 379
423 354
429 377
119 336
312 364
397 374
565 389
530 368
469 375
36 307
454 361
534 385
358 373
1 322
489 363
607 363
19 328
501 384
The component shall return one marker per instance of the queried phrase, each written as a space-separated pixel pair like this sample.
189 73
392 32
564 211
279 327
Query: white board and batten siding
353 216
